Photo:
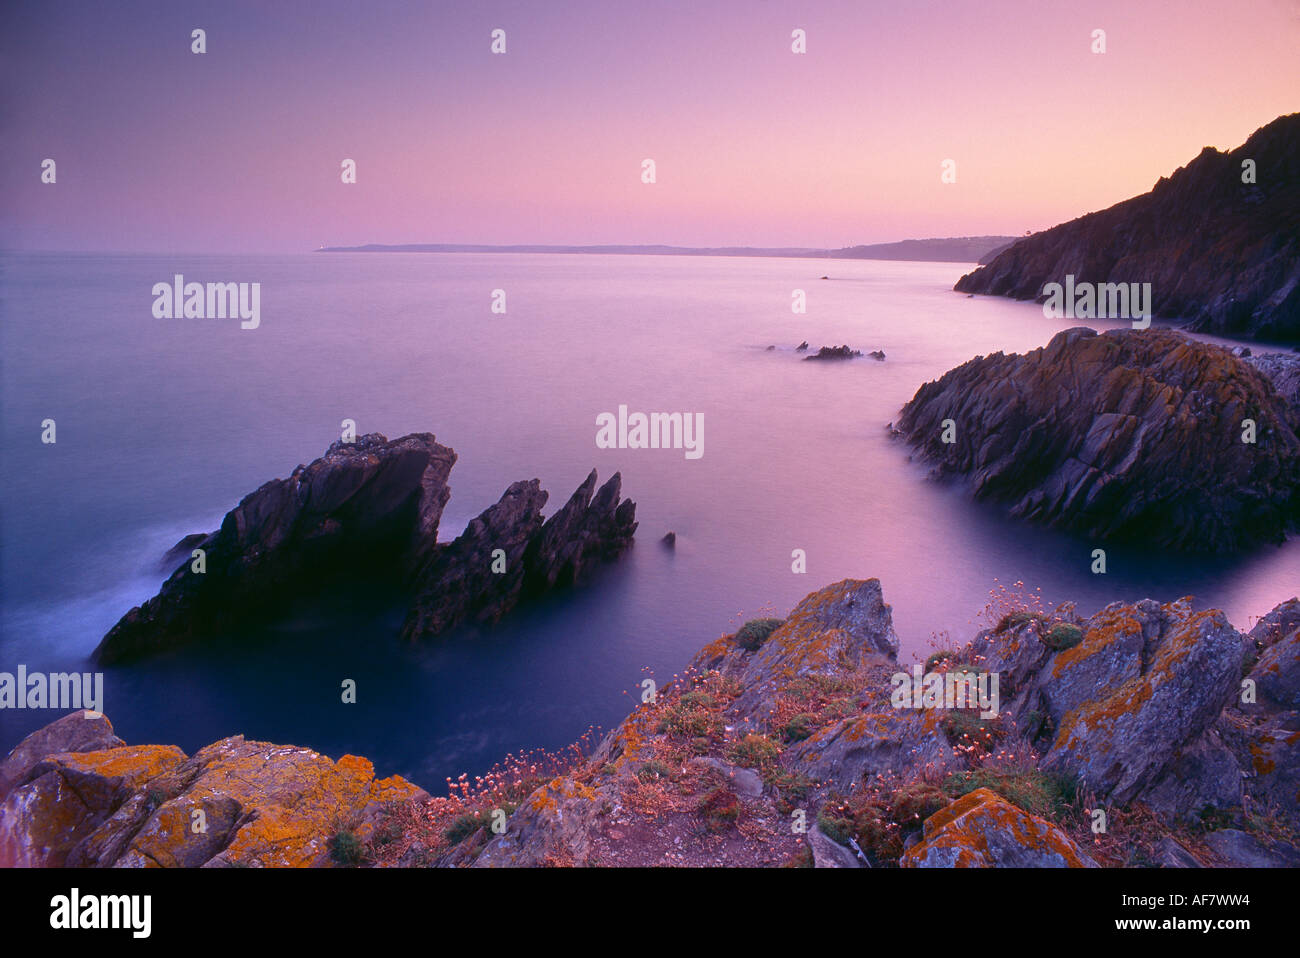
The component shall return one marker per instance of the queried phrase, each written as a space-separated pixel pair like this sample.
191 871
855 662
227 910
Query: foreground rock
233 803
784 744
1219 252
369 511
983 830
1131 434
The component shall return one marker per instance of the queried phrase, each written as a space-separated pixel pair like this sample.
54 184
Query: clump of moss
1062 636
755 751
914 803
1014 620
756 631
654 770
967 728
692 719
947 656
720 809
799 727
698 698
346 849
462 827
1038 793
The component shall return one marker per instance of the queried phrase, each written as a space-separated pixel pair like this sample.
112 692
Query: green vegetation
346 849
1048 796
1063 636
756 631
755 751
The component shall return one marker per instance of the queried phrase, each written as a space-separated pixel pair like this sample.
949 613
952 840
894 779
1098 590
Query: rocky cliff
370 509
785 744
1131 435
1221 254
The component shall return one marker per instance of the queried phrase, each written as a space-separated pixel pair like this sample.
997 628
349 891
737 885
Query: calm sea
163 425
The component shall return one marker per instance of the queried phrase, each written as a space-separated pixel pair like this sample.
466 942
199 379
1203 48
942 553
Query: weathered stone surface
1222 253
552 827
1237 849
66 796
1170 854
80 731
1283 370
829 854
234 802
889 742
983 830
1124 733
1128 435
833 632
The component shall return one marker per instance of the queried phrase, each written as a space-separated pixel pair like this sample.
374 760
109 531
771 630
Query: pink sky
239 149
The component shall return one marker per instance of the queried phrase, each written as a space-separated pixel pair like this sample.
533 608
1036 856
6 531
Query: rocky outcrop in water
369 510
1130 435
834 352
1135 711
1220 253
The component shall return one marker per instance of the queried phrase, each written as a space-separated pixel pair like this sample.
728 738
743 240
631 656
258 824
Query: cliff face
371 509
1219 253
1134 434
786 744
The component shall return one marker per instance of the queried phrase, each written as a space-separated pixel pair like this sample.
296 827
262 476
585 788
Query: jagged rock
983 830
1145 681
587 530
552 826
1131 435
370 510
743 781
802 347
462 581
1224 253
368 505
834 352
877 354
831 633
80 731
182 551
669 539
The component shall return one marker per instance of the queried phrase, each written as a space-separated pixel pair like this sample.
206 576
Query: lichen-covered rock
66 796
234 802
983 830
553 826
1177 672
834 632
1129 435
887 742
80 731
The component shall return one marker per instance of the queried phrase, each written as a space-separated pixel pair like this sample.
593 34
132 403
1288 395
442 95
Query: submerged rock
834 352
1130 435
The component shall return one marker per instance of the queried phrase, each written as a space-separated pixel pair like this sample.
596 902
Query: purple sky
239 149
